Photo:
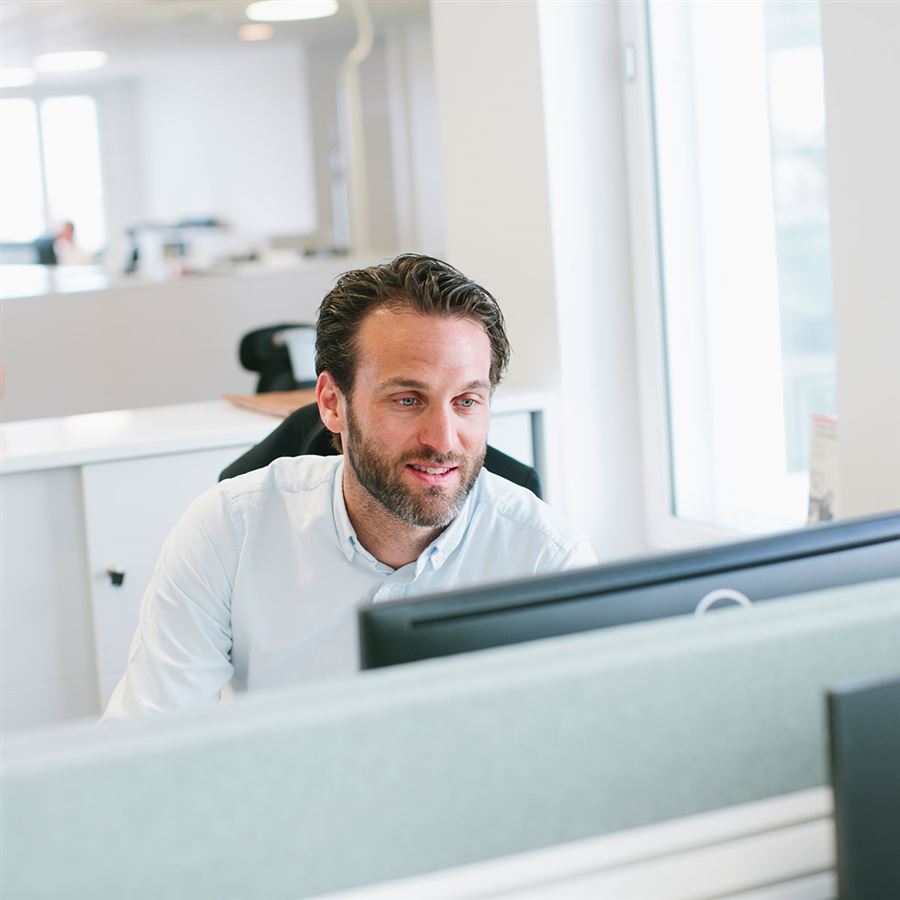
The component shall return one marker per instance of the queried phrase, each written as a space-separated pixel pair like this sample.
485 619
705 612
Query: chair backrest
259 351
44 251
303 432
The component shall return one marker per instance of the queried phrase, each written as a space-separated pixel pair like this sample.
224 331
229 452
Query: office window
22 215
50 169
741 214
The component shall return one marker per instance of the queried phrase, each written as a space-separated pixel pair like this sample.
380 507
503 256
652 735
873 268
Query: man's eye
407 401
467 402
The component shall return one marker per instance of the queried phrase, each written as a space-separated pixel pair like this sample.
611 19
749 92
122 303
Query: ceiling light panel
290 10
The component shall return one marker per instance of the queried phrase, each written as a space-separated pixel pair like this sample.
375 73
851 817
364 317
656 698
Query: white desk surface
34 444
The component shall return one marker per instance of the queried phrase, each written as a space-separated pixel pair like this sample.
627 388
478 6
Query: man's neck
389 539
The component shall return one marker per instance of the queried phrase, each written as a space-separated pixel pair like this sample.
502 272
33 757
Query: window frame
665 530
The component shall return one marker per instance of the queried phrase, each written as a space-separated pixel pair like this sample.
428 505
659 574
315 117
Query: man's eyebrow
413 384
408 383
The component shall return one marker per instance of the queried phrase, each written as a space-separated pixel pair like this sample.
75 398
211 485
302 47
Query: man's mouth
431 474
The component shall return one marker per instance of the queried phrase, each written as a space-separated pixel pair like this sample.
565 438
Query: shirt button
387 592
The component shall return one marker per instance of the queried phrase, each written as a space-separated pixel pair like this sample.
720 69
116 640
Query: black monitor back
864 739
813 558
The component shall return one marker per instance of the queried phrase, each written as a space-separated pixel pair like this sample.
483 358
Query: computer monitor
864 739
813 558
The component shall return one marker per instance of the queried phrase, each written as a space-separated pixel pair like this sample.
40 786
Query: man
258 582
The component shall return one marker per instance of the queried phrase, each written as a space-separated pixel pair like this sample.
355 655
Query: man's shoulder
288 474
513 506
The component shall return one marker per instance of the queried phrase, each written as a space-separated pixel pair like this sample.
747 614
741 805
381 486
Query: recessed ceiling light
290 10
16 77
255 31
71 61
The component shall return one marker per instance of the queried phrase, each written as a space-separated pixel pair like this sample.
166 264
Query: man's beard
381 476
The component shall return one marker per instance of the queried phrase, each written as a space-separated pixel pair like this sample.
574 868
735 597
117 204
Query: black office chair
45 251
259 351
303 432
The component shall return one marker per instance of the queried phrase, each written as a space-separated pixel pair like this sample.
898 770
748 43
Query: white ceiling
136 33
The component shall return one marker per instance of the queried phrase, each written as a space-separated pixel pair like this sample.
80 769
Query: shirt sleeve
559 556
580 556
181 653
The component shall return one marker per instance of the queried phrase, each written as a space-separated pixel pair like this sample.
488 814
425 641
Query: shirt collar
443 546
435 554
346 535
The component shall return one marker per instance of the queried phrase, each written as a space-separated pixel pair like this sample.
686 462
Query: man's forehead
409 331
388 315
409 350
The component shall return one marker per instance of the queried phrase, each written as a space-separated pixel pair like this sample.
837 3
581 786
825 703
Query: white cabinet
129 508
66 628
78 494
47 670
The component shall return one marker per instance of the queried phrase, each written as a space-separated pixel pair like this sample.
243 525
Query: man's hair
422 284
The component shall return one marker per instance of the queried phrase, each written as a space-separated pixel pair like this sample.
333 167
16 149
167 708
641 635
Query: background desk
86 493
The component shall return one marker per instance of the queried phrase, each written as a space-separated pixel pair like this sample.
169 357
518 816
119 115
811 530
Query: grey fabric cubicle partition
408 770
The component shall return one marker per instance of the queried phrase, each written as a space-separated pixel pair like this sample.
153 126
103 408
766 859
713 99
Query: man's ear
329 399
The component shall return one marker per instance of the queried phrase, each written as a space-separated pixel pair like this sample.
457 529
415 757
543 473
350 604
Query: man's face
417 418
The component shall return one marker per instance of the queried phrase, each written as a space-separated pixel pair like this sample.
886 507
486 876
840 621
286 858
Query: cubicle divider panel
436 764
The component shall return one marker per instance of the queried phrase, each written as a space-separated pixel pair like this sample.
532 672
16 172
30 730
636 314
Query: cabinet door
130 506
47 668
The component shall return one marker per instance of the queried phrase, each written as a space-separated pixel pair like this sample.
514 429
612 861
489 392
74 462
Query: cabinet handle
116 575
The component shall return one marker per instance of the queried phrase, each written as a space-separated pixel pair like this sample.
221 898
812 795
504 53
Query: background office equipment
674 584
864 733
418 768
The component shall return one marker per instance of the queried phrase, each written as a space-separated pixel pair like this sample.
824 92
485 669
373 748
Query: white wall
415 139
229 134
380 174
496 200
148 344
122 164
861 52
322 67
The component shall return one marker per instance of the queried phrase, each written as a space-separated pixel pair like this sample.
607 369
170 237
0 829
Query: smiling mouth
432 470
431 475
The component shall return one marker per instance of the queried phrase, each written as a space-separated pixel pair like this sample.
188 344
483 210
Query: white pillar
861 53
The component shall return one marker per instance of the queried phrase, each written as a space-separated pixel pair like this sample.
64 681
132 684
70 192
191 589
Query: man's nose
438 431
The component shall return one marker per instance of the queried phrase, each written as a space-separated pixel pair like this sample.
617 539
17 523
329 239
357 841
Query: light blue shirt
258 583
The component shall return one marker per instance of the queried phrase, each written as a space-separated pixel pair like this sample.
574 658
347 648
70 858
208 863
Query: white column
861 52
